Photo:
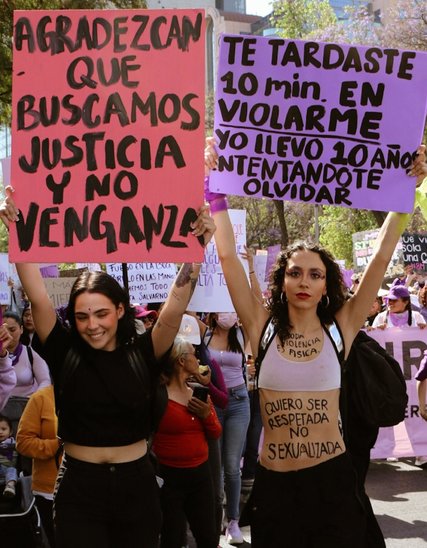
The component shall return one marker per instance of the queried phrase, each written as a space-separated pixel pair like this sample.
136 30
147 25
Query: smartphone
201 392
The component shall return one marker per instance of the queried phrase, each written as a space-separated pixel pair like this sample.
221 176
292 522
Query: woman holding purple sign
305 489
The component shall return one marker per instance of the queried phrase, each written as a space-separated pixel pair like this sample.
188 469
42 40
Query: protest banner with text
407 439
59 290
108 119
414 251
319 123
363 249
147 282
211 293
4 279
260 268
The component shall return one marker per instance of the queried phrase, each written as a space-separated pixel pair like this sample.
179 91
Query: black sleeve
145 345
55 348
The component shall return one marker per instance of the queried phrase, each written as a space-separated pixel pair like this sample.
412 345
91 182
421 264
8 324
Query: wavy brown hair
335 287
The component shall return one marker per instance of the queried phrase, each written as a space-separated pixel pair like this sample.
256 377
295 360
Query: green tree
299 18
6 30
337 224
404 27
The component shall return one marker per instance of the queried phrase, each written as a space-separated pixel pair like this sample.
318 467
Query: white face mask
226 320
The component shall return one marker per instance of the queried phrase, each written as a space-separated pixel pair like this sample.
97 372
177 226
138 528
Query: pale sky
258 7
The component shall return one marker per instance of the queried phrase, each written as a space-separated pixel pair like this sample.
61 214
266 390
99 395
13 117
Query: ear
120 311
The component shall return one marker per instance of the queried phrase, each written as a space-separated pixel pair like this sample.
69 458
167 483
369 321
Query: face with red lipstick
305 279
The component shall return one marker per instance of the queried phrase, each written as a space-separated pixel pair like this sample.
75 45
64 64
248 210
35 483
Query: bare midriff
106 455
301 429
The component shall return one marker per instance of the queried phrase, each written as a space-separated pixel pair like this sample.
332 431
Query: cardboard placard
107 134
211 293
148 282
314 122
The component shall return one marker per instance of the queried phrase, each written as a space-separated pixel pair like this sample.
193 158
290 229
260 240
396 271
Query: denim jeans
235 421
9 473
252 438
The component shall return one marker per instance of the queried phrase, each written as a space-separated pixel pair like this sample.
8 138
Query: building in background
222 16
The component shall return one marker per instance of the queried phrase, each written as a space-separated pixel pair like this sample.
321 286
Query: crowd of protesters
140 421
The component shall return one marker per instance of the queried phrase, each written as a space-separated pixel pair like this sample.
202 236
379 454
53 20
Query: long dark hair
14 316
335 287
25 337
233 344
101 282
408 308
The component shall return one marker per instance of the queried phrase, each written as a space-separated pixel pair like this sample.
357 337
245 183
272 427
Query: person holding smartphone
181 448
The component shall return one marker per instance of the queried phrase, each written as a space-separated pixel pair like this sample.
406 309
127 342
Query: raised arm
251 312
353 314
44 315
167 325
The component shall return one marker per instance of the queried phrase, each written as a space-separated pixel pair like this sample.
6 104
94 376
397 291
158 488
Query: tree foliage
404 26
337 224
6 31
263 225
297 19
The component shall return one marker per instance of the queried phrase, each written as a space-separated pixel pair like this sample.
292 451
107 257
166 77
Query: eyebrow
84 312
313 269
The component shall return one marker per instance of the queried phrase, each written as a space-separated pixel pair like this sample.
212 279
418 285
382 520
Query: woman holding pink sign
105 379
305 489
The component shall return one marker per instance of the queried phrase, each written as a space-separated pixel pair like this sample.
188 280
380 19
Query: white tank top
299 404
319 374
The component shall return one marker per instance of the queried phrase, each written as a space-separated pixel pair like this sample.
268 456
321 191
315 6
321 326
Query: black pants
44 506
316 507
188 495
106 505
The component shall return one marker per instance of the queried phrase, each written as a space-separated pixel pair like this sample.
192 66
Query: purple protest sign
322 123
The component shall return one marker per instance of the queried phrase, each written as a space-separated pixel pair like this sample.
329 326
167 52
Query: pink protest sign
108 134
322 123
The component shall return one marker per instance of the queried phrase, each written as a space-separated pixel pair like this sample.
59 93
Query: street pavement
398 492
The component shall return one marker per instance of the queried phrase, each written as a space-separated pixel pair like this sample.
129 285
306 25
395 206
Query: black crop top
103 402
